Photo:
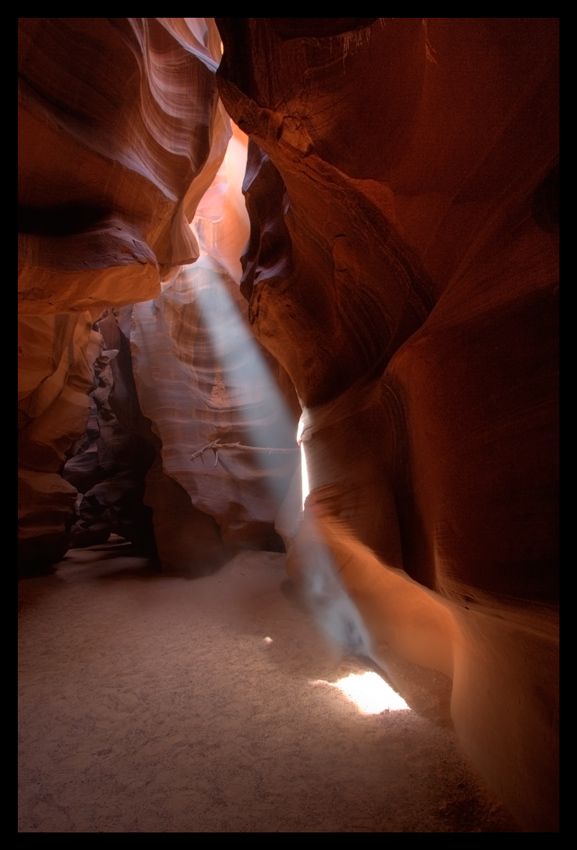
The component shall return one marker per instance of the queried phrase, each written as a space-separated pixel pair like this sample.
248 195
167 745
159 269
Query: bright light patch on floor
268 640
370 693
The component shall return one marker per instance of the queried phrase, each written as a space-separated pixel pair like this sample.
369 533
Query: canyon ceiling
396 300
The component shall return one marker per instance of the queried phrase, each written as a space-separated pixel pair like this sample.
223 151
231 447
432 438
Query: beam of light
247 387
369 692
336 615
305 487
251 390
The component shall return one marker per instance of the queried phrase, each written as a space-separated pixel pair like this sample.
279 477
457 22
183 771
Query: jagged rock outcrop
108 466
403 267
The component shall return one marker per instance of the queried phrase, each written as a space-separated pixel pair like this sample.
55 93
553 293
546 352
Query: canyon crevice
388 286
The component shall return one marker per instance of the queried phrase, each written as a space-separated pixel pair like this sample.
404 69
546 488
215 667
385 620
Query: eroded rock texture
403 267
224 436
108 467
55 375
211 392
120 135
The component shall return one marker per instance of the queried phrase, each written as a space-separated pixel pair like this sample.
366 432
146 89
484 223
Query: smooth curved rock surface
211 392
403 266
120 134
227 436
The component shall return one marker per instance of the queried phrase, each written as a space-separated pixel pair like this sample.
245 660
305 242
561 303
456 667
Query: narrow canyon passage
288 285
157 704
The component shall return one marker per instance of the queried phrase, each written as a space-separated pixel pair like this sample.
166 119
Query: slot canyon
288 333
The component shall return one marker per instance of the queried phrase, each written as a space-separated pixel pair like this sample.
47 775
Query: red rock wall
403 267
210 390
109 464
122 135
56 355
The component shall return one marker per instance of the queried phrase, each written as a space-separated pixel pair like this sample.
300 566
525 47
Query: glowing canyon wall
403 267
400 284
117 156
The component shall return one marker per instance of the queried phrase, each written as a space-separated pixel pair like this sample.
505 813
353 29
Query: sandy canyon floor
156 704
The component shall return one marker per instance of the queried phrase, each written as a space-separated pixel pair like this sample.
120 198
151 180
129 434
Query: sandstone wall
401 275
403 267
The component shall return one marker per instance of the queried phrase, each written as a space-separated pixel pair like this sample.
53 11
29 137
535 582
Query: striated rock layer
401 273
120 134
211 392
403 268
228 436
